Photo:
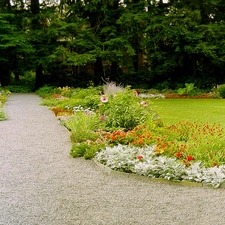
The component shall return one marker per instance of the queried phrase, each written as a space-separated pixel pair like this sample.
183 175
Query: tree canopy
143 43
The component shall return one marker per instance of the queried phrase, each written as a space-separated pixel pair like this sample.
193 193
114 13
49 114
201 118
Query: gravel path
40 184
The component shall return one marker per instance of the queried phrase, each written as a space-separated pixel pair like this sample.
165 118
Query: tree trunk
114 71
39 77
98 71
35 9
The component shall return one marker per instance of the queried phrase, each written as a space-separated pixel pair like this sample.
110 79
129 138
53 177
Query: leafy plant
64 91
82 126
189 89
82 93
125 111
86 150
2 115
19 88
221 90
45 91
3 98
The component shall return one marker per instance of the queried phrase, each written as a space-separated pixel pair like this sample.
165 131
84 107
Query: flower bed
199 96
3 99
143 161
129 136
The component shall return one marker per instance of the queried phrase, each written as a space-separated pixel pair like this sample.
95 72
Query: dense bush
221 90
125 111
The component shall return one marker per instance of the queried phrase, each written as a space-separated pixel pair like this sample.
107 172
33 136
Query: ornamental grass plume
111 88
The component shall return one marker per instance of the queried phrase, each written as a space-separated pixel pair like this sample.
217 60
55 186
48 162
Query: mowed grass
194 110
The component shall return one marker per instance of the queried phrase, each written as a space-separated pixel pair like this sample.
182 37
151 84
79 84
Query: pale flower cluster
143 161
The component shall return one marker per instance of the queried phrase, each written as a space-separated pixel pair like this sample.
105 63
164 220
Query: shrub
3 98
90 101
125 111
221 90
82 93
19 88
45 91
2 115
189 90
82 126
86 150
64 91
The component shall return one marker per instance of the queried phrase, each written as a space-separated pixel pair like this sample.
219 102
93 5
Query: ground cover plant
3 98
170 138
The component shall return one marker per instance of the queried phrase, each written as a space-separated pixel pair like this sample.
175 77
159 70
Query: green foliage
2 114
64 91
189 89
45 91
90 101
82 126
79 42
88 151
203 142
126 111
3 98
18 88
221 90
84 92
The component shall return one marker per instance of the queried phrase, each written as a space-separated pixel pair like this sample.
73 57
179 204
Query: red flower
178 154
189 158
214 164
139 157
113 138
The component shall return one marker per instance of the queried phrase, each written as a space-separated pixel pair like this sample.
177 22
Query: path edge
106 170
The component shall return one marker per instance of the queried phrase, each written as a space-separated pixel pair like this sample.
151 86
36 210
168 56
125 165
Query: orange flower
113 138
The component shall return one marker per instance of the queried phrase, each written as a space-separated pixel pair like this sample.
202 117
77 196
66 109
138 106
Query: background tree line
143 43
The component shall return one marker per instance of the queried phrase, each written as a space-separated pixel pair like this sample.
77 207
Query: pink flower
103 99
102 118
136 93
144 103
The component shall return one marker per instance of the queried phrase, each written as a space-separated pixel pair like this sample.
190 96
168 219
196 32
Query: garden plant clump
122 129
3 98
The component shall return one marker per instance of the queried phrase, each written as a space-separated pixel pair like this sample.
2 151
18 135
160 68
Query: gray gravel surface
41 184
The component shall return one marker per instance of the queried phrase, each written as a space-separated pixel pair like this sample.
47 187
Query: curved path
40 184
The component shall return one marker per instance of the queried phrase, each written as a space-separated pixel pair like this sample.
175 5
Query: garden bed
112 116
3 98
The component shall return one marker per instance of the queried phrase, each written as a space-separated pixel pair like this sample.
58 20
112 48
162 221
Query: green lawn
193 110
